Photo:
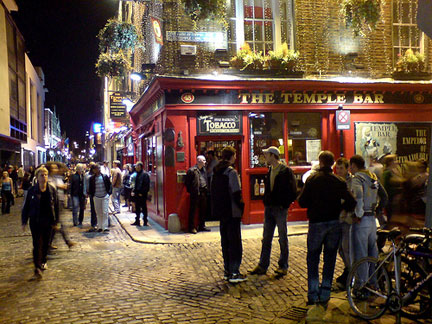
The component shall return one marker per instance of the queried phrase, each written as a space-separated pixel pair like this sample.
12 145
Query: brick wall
321 38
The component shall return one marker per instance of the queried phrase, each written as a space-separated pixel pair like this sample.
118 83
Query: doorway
204 145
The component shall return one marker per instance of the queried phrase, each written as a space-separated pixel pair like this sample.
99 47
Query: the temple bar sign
219 124
117 108
310 98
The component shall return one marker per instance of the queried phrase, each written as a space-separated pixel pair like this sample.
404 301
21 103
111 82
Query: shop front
179 118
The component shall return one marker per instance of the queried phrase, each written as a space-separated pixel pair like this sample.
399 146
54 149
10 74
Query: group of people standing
341 209
47 196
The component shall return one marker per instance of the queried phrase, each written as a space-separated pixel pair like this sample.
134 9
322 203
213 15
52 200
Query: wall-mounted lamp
135 76
129 104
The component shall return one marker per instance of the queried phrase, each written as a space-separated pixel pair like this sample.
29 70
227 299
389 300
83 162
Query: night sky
60 37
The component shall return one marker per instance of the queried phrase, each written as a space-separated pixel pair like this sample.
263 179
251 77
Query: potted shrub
410 66
247 60
283 61
361 15
112 65
118 35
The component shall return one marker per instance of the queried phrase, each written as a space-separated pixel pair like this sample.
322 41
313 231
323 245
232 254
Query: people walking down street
105 168
20 174
140 191
127 189
41 207
32 173
77 195
370 196
324 195
392 180
197 187
342 170
116 175
100 189
6 192
228 206
280 192
55 179
25 185
93 216
14 177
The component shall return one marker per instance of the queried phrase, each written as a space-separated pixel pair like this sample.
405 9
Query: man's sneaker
226 275
258 270
92 229
44 266
237 277
38 274
135 223
281 272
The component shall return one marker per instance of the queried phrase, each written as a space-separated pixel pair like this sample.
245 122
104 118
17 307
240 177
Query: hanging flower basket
112 65
118 35
361 15
205 9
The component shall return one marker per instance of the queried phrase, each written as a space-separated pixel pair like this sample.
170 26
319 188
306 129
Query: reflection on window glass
266 129
304 137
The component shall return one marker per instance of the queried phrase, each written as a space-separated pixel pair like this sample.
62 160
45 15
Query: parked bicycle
400 280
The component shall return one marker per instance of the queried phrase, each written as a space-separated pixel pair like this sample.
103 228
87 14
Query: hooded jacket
368 192
226 194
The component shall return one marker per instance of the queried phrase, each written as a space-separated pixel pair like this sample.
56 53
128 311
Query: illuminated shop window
263 24
304 137
266 129
406 34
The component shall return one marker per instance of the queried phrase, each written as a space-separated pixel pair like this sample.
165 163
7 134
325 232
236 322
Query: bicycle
370 287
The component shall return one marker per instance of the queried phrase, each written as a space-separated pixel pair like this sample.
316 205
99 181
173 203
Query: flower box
411 76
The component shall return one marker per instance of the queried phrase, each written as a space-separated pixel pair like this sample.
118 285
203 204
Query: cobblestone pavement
107 278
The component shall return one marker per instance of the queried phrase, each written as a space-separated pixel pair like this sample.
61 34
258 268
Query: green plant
361 15
246 59
112 64
118 35
204 9
283 59
410 62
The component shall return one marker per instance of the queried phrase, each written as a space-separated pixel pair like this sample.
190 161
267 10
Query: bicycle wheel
419 305
368 288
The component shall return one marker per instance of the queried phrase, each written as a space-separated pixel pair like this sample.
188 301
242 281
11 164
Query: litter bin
173 223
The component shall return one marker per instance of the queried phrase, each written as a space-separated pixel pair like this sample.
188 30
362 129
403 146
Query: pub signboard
117 107
215 124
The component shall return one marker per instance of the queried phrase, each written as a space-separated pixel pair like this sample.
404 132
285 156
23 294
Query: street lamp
135 76
129 104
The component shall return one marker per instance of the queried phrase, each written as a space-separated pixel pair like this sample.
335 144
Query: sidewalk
156 234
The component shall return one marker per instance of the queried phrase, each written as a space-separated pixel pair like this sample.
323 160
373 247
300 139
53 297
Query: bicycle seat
414 238
390 234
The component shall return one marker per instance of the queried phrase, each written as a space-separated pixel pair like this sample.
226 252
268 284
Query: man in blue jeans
370 196
325 195
280 192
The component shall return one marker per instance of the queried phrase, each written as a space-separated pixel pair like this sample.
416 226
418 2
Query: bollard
173 223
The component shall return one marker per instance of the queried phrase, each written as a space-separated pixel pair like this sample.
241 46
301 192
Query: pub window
266 129
304 137
406 34
263 24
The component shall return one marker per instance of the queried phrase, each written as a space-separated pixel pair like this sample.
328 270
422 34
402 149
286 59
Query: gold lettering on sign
329 99
368 99
257 98
321 97
379 98
358 98
298 98
341 98
309 98
285 97
244 98
269 98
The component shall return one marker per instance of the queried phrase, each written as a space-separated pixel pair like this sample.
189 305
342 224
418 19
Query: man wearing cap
280 192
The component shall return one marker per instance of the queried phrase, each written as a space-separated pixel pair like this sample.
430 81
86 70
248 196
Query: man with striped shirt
100 189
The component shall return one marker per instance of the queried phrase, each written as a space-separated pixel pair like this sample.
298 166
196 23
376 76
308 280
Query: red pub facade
178 118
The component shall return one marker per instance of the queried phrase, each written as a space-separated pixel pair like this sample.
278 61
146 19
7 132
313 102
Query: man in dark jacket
140 192
197 186
280 192
227 205
325 195
42 208
77 194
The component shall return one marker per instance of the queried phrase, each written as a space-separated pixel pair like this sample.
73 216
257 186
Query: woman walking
6 192
42 208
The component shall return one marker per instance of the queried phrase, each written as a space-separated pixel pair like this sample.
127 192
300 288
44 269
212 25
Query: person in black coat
77 194
100 189
140 191
42 208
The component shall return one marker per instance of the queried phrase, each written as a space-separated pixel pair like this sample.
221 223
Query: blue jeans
274 216
327 235
364 242
345 246
78 204
115 198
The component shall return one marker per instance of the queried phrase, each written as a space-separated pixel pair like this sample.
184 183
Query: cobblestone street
107 278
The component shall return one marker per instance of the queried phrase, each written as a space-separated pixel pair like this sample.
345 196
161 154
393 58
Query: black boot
136 223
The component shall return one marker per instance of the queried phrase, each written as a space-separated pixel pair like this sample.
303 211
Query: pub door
205 144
